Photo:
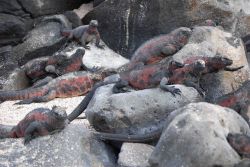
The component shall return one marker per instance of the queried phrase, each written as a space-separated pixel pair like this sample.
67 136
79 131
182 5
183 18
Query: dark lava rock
125 25
44 7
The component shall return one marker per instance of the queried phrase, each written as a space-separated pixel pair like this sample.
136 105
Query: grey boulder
74 146
207 41
134 155
136 112
195 135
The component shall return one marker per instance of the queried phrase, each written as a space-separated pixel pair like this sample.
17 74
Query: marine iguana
38 122
68 85
238 100
240 143
157 48
56 64
85 34
179 76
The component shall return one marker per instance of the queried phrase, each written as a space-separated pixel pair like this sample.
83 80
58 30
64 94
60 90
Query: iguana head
59 112
181 35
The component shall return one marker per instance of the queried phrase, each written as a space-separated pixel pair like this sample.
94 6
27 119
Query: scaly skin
156 49
238 100
38 122
68 85
36 68
241 144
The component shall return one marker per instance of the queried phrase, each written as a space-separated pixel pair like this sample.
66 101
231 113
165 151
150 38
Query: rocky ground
193 131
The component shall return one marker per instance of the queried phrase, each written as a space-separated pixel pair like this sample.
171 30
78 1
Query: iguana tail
5 131
23 94
129 138
84 103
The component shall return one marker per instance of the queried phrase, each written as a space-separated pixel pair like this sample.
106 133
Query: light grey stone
136 112
195 135
134 155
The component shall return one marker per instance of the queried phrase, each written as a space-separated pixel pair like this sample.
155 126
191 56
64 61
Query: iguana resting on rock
85 34
56 64
157 74
241 144
189 75
38 122
157 48
238 100
185 75
68 85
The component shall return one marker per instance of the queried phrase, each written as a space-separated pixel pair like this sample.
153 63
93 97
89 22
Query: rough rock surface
74 146
43 40
134 155
6 64
195 135
43 7
12 29
136 112
14 22
103 58
209 42
84 9
16 80
133 22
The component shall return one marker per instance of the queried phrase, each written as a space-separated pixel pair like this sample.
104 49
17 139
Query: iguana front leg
196 86
242 108
49 96
164 86
42 82
34 130
121 87
97 43
83 41
168 50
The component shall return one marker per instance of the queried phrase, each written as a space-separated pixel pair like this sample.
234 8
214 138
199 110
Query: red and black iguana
38 122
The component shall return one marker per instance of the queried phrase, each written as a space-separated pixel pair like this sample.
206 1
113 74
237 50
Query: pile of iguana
162 74
53 65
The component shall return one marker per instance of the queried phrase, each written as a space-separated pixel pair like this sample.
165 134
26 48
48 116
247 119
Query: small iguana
56 64
85 34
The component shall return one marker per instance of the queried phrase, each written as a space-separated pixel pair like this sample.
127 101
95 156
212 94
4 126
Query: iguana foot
171 89
164 86
86 47
121 87
100 46
27 139
27 101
